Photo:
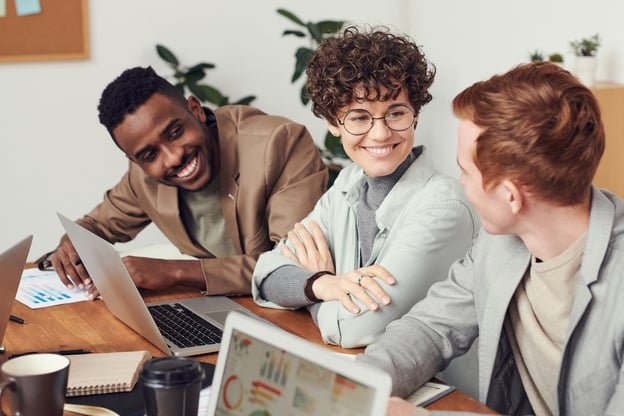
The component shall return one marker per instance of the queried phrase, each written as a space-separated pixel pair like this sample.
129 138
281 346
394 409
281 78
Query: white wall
470 40
57 157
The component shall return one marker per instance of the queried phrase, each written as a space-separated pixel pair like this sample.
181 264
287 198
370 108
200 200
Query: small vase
585 69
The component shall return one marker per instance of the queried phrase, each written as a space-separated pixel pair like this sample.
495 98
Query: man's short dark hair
129 91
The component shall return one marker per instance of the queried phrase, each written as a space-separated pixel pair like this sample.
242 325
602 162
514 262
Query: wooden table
89 325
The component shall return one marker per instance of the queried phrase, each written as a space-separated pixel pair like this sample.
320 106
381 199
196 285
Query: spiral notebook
104 372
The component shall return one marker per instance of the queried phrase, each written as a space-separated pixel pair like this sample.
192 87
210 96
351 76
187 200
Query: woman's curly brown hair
355 65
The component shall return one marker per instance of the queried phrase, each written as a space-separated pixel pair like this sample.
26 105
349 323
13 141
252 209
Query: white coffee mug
35 384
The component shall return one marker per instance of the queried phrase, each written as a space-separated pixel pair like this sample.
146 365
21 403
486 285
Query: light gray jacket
425 224
473 302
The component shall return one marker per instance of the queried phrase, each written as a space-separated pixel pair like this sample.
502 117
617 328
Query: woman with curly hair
391 225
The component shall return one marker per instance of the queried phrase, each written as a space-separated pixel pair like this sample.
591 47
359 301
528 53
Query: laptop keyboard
183 327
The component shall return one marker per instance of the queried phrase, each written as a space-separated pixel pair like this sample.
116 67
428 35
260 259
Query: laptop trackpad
218 316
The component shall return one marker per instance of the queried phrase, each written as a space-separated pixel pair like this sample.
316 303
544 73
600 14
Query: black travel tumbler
171 386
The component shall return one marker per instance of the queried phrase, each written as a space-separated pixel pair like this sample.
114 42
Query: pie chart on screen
232 392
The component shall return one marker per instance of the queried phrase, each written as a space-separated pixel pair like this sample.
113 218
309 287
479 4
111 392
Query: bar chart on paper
39 289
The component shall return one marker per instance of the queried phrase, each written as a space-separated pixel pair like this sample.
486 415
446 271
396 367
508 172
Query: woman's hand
312 253
310 249
360 283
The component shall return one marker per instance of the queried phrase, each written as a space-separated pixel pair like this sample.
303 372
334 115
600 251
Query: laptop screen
12 263
261 379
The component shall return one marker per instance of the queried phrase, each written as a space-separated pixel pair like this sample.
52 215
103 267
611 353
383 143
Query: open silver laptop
11 266
205 313
264 370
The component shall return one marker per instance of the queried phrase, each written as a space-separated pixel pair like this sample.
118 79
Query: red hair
540 127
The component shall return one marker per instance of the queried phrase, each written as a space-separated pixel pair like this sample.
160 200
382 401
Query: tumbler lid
171 371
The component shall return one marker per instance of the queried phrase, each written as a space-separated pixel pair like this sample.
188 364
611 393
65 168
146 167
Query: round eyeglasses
397 118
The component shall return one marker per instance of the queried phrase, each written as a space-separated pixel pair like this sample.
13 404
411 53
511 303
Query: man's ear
514 196
334 130
196 108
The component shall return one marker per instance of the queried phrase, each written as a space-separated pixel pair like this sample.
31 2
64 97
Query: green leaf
303 94
290 16
189 79
297 33
224 101
246 100
193 76
329 27
206 93
315 32
302 56
177 73
333 174
201 66
196 91
167 55
334 145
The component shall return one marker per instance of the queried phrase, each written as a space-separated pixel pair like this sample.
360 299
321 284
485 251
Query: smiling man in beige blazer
222 185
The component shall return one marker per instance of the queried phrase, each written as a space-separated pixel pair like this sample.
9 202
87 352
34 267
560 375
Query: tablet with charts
264 370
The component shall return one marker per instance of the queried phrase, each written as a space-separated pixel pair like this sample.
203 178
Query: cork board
59 32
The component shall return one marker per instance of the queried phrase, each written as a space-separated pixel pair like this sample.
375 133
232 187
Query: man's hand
150 273
312 253
146 272
68 265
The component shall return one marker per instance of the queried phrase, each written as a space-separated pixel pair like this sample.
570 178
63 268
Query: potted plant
189 77
585 50
316 32
556 58
586 46
536 56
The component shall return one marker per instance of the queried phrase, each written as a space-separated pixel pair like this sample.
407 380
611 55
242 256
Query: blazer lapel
598 235
509 273
229 197
229 173
167 207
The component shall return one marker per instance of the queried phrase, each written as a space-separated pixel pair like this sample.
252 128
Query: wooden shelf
611 100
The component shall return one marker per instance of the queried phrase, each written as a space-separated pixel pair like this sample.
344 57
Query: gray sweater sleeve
285 287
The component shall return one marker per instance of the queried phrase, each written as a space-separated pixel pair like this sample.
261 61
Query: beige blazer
271 175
